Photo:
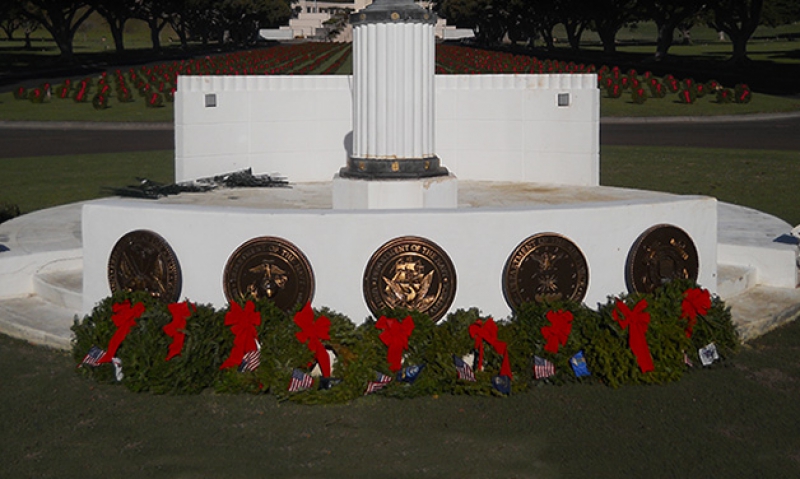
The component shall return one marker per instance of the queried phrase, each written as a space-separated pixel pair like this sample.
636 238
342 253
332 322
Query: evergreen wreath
166 352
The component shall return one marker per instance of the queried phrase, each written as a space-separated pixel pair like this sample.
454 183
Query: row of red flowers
157 83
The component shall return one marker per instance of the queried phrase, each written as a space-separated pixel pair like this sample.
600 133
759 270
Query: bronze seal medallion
143 261
659 255
411 273
269 267
545 267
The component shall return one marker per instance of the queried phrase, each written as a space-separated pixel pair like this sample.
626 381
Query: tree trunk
155 34
574 34
64 43
739 42
608 36
666 35
9 33
547 36
117 32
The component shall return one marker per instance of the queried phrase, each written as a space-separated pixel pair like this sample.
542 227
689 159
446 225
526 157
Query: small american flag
381 381
250 361
300 381
542 368
464 370
93 356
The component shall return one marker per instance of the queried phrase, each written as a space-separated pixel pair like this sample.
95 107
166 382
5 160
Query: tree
243 18
157 14
10 18
487 18
61 18
531 19
572 14
337 23
738 19
667 17
780 12
117 13
609 16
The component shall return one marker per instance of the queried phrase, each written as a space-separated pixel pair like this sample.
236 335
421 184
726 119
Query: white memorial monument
525 220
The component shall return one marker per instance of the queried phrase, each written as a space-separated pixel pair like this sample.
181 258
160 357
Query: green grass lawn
750 178
56 109
734 421
744 177
72 178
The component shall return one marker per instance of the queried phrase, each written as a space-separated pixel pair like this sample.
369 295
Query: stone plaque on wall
411 273
143 261
272 268
545 267
659 255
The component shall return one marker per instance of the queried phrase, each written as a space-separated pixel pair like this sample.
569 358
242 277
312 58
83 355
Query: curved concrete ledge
49 239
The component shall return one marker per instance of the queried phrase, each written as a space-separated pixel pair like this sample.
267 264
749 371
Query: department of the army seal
411 273
659 255
143 261
269 267
545 266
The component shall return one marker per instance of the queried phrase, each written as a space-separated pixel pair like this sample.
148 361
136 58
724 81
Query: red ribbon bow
480 332
696 301
177 328
125 318
243 324
636 321
312 332
558 332
395 336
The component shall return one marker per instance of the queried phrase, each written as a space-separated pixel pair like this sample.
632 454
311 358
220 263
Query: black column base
399 169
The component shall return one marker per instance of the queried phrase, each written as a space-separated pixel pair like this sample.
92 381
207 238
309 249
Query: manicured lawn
732 421
67 110
744 177
760 179
42 182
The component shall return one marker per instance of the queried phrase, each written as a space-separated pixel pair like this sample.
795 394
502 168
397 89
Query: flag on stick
300 381
380 382
93 356
464 370
542 368
578 363
250 361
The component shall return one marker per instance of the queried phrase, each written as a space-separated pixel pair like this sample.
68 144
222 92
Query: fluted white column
393 92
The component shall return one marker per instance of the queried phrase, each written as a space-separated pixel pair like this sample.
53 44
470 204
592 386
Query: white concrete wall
488 127
339 243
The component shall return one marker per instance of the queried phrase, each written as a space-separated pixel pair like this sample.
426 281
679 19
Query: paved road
765 134
16 143
774 134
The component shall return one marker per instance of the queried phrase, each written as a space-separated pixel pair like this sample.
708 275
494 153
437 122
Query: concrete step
61 283
38 321
735 279
761 309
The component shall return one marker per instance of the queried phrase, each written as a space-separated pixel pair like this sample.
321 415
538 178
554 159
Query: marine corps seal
272 268
659 255
143 261
411 273
545 267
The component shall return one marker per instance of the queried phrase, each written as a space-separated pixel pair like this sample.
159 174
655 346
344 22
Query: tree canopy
236 21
